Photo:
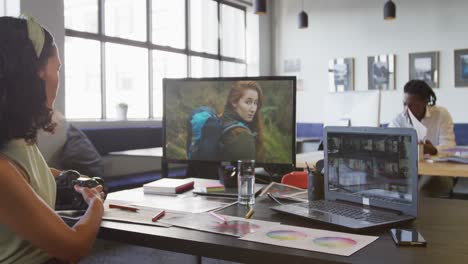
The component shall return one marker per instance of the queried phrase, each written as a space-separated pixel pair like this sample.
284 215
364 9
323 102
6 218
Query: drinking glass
246 182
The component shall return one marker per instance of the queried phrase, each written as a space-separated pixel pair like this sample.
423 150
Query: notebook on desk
370 178
455 159
168 186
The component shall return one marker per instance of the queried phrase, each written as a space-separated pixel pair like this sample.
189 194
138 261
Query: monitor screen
373 166
230 119
357 108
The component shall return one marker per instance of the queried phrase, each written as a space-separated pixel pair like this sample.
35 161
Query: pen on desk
225 206
274 199
123 207
158 216
307 166
218 216
249 213
410 121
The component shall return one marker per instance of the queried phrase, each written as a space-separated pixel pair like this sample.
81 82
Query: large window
9 8
119 51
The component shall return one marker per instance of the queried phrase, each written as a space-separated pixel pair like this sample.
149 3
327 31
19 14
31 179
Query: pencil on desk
218 216
249 213
273 198
123 207
158 216
308 168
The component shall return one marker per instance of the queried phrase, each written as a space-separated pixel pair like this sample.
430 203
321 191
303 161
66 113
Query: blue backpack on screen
205 130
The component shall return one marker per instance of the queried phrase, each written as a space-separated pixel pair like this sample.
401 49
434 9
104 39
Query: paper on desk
234 226
181 203
137 195
186 205
284 191
460 149
324 241
421 129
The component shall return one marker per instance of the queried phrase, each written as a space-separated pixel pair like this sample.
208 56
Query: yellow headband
35 33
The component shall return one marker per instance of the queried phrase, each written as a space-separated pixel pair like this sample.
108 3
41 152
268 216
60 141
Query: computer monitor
358 108
230 119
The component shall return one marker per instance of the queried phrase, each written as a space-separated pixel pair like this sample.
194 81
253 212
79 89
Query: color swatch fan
337 243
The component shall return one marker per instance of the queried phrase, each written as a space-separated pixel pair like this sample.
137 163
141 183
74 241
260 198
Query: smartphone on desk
404 237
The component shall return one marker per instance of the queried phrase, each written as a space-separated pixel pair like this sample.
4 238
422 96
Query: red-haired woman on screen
242 110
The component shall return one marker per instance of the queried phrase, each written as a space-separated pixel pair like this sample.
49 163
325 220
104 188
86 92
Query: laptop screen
374 166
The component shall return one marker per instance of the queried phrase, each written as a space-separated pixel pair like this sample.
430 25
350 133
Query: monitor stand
225 172
202 170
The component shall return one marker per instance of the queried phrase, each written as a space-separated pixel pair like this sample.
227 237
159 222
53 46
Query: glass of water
246 181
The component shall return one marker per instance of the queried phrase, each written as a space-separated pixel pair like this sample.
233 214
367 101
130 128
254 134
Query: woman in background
242 112
30 230
420 99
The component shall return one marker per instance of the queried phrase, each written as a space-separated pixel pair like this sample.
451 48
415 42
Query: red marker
123 207
158 216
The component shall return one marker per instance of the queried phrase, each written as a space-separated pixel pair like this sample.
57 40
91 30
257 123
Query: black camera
67 197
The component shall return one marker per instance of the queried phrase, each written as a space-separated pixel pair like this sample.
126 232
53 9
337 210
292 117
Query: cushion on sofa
124 138
51 145
79 154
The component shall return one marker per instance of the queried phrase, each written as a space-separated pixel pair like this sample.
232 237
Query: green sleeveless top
14 249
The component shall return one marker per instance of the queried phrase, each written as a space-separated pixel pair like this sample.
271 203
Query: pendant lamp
389 10
303 19
260 7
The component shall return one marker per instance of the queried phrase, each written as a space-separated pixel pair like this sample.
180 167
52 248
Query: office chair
296 179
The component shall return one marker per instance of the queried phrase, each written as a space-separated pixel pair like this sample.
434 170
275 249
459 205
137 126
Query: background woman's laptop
370 178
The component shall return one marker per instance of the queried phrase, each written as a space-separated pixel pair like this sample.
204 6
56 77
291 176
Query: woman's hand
39 224
89 194
55 172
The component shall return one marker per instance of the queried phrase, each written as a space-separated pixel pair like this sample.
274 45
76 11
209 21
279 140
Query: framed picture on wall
461 68
341 74
425 66
381 72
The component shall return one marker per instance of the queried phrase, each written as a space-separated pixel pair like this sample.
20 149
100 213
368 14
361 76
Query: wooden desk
148 152
442 169
441 222
310 157
448 169
307 144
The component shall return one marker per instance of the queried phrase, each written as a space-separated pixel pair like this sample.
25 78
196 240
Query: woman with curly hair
30 230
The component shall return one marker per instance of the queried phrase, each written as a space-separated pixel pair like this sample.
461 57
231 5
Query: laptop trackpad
320 215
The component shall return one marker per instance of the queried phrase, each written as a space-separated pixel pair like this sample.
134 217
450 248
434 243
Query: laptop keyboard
350 211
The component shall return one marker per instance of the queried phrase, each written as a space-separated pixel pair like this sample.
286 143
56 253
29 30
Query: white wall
344 28
266 42
49 13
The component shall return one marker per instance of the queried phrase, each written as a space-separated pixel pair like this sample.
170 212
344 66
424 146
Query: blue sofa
314 130
148 169
124 172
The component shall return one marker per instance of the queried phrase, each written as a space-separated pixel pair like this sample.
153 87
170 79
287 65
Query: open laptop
370 178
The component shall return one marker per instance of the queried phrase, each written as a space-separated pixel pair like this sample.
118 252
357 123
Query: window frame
150 46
